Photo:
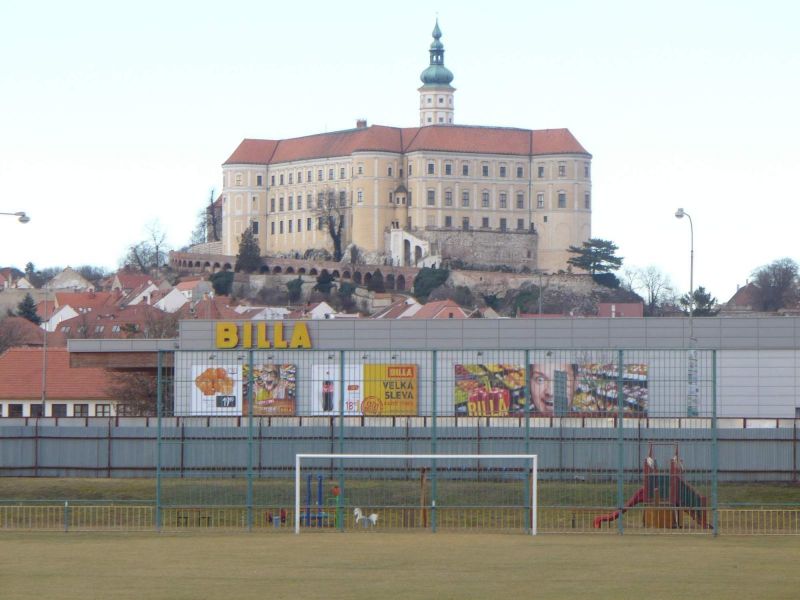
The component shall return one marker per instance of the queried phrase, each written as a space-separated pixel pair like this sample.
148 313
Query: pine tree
249 258
595 256
27 309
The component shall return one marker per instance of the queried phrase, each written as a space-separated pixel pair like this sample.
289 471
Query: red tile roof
441 309
441 138
86 325
21 376
86 300
131 281
218 307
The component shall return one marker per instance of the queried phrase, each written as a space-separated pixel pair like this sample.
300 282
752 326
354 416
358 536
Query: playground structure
665 497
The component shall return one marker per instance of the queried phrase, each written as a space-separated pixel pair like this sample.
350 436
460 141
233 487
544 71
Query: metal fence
628 441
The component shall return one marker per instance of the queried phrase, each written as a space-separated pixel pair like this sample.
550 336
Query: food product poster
274 389
326 388
389 390
216 390
587 388
491 390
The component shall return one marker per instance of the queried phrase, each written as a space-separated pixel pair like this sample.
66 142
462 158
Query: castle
414 196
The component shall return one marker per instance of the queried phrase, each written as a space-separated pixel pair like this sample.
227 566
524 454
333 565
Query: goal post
496 492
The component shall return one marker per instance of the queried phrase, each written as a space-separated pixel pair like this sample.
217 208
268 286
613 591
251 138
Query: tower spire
436 93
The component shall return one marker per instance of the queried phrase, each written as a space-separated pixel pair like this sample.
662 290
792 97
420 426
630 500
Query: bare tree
653 285
147 254
331 213
777 284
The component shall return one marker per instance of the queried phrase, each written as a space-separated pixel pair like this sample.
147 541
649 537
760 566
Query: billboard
274 389
369 389
588 388
491 390
216 390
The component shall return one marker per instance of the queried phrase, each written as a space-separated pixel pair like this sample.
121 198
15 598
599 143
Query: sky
116 117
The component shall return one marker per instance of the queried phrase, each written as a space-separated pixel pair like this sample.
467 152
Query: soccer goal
394 492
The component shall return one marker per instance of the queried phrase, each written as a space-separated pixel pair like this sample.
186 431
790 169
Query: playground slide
638 497
691 501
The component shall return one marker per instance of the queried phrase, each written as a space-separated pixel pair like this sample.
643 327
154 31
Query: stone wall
485 249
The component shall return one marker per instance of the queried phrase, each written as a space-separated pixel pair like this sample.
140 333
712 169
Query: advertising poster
216 390
274 389
587 388
326 390
389 390
492 390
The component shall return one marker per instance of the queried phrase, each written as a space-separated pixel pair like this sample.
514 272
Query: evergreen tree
324 282
595 256
27 309
295 287
222 282
427 280
704 303
249 258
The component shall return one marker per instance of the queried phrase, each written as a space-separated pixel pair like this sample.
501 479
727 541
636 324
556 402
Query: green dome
437 73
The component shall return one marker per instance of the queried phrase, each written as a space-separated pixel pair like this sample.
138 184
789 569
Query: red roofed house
441 309
78 392
487 196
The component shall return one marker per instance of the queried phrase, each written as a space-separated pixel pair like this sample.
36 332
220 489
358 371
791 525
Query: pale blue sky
113 115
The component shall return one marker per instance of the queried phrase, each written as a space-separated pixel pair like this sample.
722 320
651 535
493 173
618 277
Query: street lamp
22 217
680 213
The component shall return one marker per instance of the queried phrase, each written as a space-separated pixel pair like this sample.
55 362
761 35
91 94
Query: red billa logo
401 372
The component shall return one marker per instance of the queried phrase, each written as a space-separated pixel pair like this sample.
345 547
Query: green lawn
207 565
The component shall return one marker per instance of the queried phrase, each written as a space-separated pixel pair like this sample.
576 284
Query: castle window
485 222
308 176
320 200
431 198
238 179
360 197
562 199
330 173
448 198
291 178
272 228
519 172
448 168
299 225
272 180
520 200
309 201
258 180
391 198
465 169
502 170
503 225
299 177
428 100
520 224
321 223
389 171
562 169
465 199
485 199
441 100
430 168
341 173
485 170
441 119
540 171
409 198
280 226
465 223
410 169
342 198
291 202
545 219
400 171
254 227
540 200
586 170
448 221
587 200
290 223
281 179
360 169
299 202
280 205
308 224
503 200
430 120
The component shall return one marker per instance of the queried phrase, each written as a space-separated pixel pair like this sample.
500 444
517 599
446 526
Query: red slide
638 497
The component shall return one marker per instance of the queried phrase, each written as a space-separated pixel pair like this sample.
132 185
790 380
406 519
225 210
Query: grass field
238 566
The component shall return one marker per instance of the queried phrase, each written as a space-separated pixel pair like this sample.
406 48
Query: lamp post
680 213
692 391
21 216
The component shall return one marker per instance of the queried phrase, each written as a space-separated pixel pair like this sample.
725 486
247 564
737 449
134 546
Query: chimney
361 124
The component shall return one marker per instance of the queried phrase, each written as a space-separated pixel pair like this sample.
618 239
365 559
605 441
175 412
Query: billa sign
260 335
390 390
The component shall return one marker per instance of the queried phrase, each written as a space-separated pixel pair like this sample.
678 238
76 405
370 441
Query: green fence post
159 417
526 413
66 516
620 445
714 447
434 409
342 388
250 441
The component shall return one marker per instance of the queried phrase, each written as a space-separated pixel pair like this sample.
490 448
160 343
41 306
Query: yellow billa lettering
279 341
262 341
227 336
247 335
300 337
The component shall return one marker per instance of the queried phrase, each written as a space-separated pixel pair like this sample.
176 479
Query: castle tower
436 94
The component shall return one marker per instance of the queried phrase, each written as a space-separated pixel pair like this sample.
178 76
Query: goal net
392 492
